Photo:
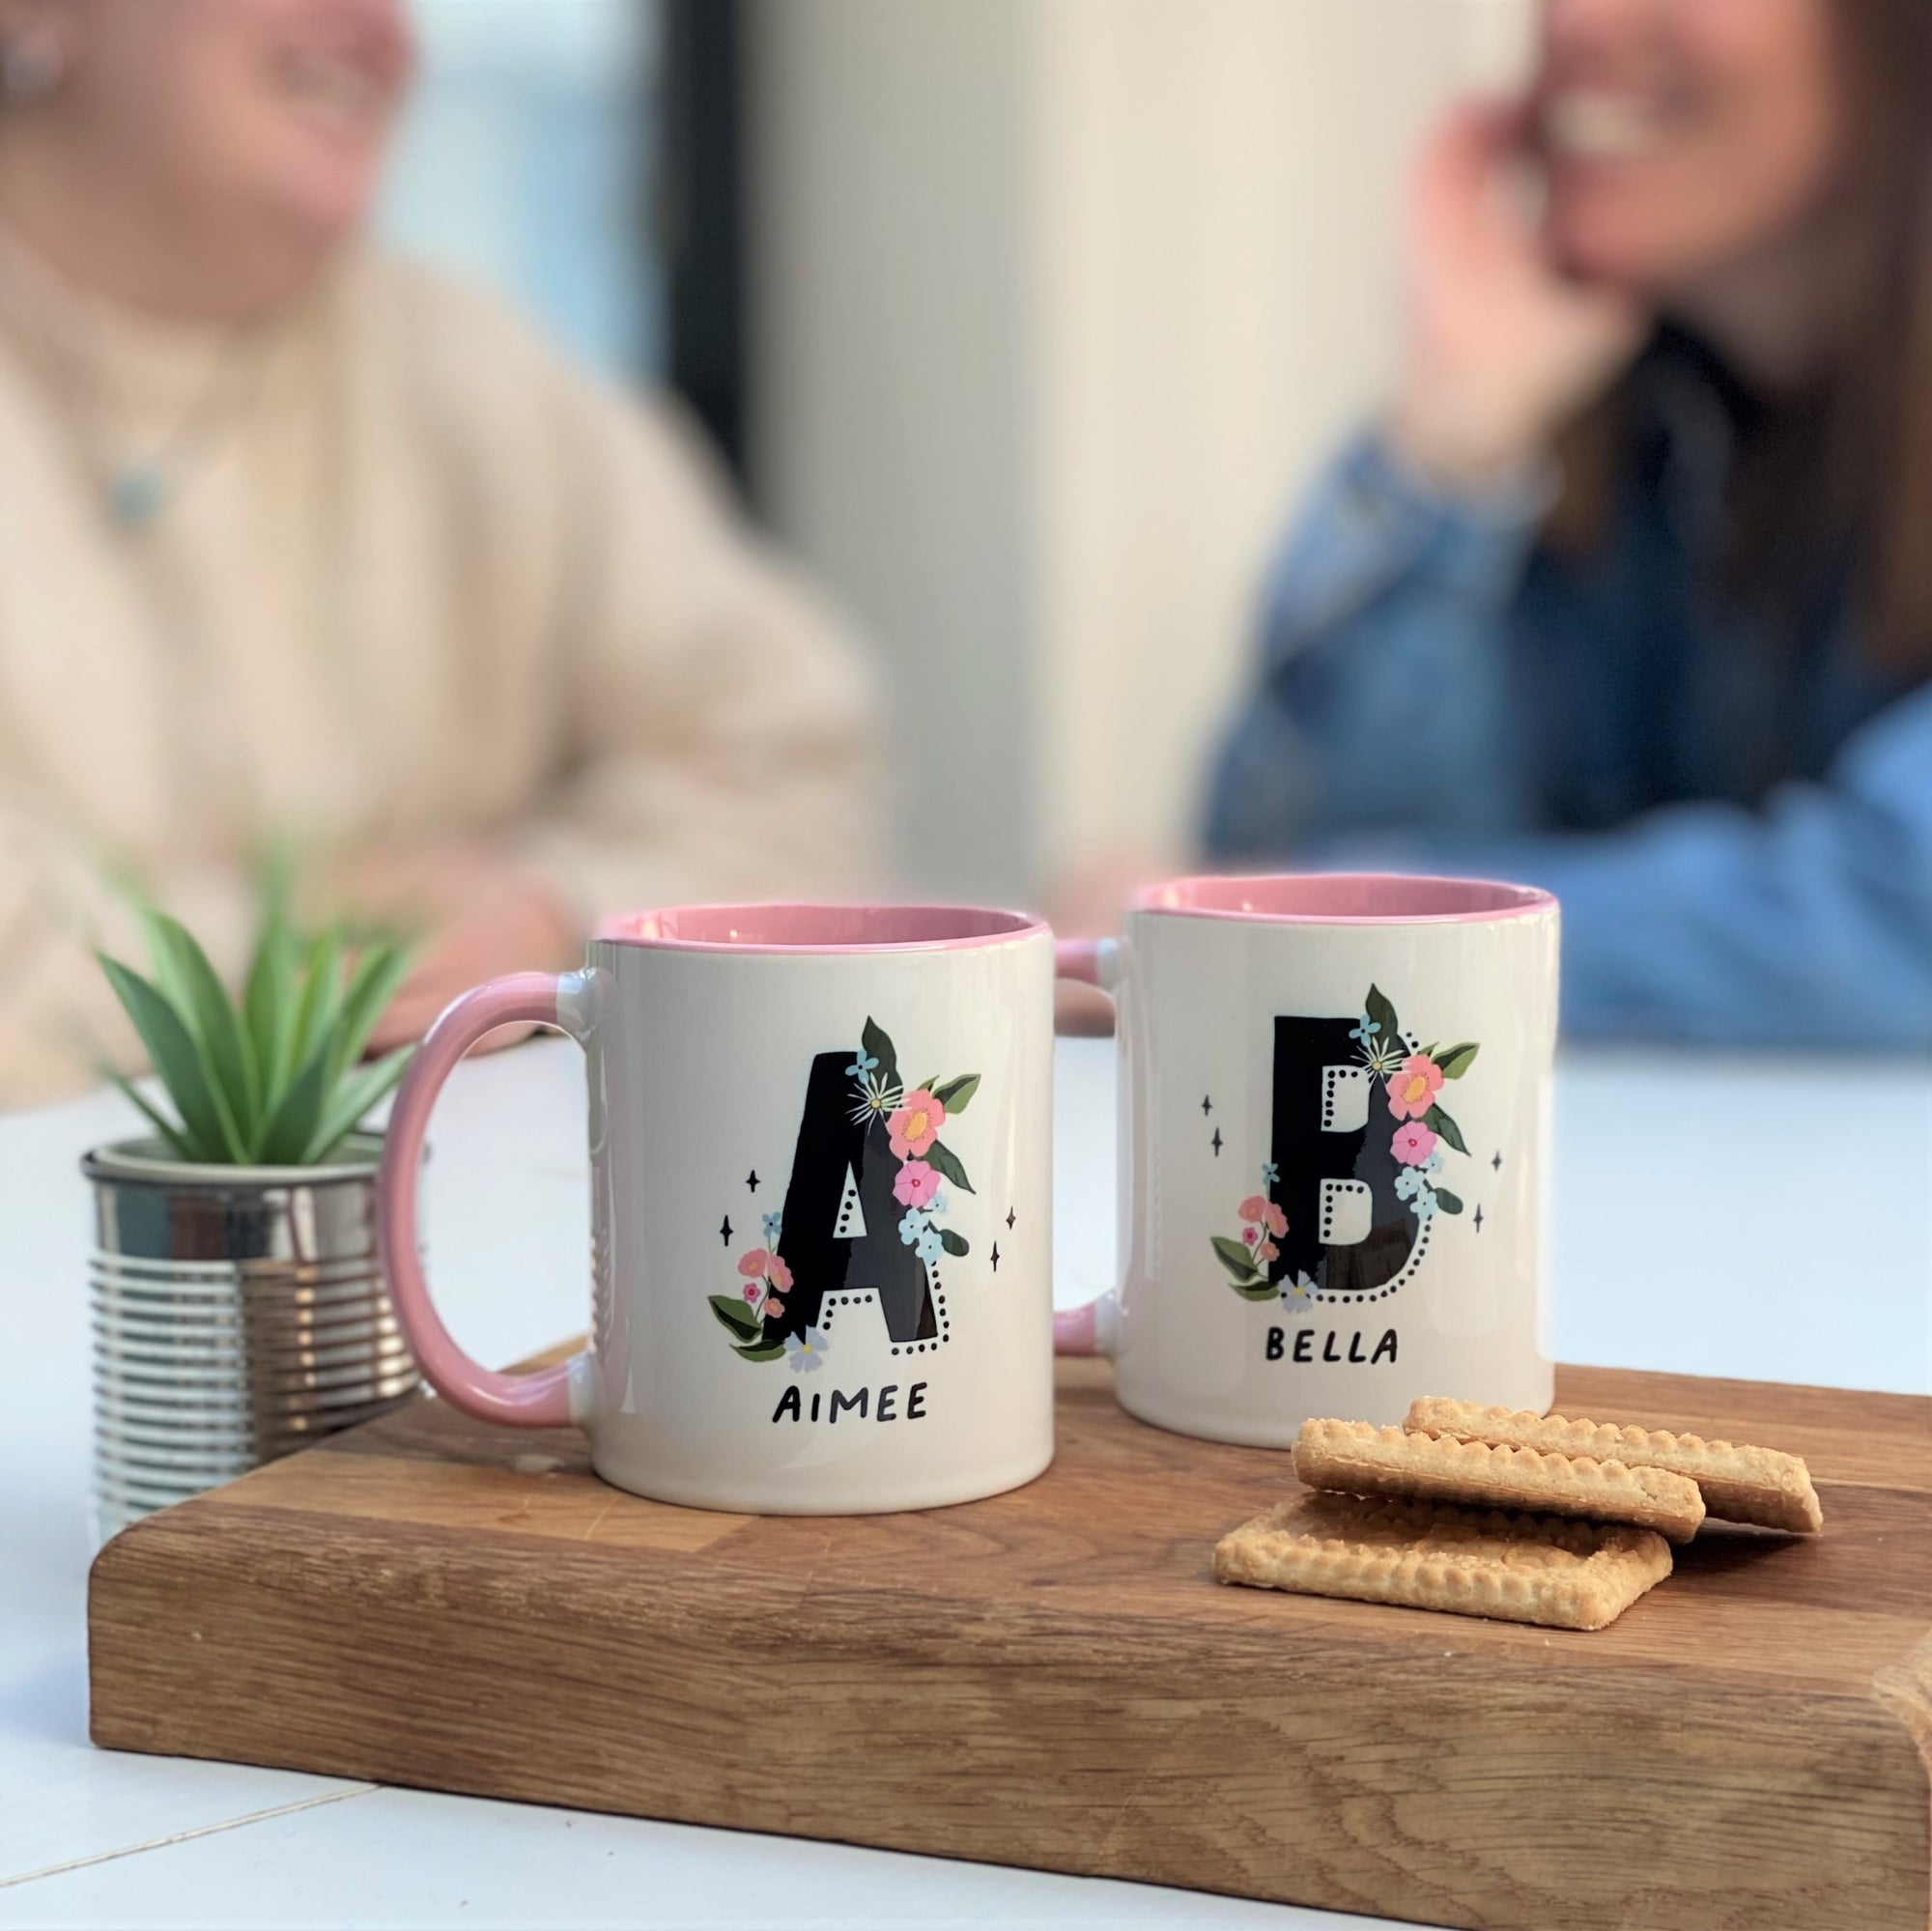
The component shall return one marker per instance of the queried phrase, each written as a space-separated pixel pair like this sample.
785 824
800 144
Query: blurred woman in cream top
296 539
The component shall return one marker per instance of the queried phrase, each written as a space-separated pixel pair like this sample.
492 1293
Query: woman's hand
1501 349
477 918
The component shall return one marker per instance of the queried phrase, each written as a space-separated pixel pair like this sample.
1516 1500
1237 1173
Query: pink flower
778 1273
1274 1219
1251 1235
1412 1144
774 1308
1412 1090
915 1126
1254 1207
916 1184
756 1264
752 1290
1268 1251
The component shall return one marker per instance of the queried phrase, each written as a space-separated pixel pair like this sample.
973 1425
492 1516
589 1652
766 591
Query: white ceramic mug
1334 1176
821 1218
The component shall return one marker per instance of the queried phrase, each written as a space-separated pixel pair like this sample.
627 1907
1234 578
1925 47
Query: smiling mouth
335 93
1589 125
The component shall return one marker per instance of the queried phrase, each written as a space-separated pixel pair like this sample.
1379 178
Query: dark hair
1842 475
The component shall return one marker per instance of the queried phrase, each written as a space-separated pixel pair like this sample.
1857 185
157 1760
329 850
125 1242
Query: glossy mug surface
1335 1107
821 1217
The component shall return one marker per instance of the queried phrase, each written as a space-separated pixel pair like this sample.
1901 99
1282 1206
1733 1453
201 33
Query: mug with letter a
1335 1095
821 1206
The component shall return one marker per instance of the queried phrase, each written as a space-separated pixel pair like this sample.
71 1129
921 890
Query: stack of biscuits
1485 1512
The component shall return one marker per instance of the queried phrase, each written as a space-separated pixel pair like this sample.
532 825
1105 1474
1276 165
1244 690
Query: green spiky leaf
227 1053
352 1098
165 1127
176 1059
1458 1060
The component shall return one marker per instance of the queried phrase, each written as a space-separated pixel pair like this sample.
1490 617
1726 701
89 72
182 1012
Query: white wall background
1056 304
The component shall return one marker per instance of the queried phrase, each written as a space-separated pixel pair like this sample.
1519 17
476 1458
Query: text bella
1300 1347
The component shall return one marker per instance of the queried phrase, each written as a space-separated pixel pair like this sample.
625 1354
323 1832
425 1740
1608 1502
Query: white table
1765 1218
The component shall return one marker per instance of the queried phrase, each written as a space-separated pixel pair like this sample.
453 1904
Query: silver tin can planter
239 1313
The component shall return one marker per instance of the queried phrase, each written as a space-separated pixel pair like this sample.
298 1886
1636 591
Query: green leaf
165 1127
773 1353
1382 1014
954 1095
176 1060
737 1316
227 1053
1457 1060
378 976
1257 1290
268 1010
939 1154
320 996
288 1130
347 1100
876 1044
1438 1122
953 1243
1238 1258
1447 1201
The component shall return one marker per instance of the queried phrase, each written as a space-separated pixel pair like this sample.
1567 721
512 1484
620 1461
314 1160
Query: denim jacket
1741 839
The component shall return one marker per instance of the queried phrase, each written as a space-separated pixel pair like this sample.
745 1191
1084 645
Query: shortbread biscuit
1363 1460
1739 1484
1430 1555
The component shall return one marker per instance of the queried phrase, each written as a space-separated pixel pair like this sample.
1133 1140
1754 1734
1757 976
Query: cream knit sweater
420 579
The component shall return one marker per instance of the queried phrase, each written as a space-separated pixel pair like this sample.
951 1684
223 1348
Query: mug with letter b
1334 1168
821 1206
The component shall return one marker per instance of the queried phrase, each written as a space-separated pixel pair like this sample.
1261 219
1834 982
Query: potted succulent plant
239 1308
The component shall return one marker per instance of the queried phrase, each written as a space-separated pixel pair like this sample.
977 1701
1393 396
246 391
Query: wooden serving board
1053 1679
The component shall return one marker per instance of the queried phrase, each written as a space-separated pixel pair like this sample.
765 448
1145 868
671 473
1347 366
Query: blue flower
1413 1185
1298 1296
930 1246
863 1065
1270 1173
1366 1031
939 1203
774 1224
913 1224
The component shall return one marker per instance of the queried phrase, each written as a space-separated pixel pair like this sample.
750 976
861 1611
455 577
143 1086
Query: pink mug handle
550 1397
1088 1329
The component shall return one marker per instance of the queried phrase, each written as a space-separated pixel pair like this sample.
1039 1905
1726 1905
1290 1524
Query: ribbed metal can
239 1313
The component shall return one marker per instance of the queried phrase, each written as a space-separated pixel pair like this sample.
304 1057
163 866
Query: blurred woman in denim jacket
1631 593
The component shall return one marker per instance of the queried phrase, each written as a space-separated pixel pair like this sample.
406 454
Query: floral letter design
912 1122
1413 1078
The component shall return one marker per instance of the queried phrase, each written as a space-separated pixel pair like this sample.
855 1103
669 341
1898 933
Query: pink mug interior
819 928
1344 898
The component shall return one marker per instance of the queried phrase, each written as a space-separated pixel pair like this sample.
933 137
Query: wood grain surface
1053 1679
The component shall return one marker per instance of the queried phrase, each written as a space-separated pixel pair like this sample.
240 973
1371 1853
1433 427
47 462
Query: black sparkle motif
1479 1220
1013 1214
1206 1105
1497 1162
751 1179
1215 1143
725 1232
996 1257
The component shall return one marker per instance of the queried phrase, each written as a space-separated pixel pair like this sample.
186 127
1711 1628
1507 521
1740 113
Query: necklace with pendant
137 492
